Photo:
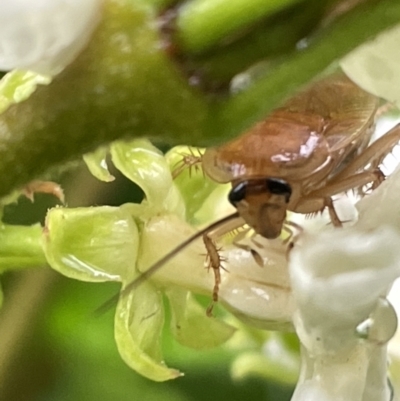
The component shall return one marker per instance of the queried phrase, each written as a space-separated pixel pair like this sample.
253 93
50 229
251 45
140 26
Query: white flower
375 65
339 280
44 35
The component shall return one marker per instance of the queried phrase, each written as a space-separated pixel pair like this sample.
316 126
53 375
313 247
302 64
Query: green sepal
194 186
97 164
91 244
190 325
138 326
145 165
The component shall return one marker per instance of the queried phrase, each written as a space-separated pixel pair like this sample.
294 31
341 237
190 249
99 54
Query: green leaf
191 326
138 326
91 244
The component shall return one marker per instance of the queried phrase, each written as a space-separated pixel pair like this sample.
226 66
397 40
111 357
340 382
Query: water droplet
380 326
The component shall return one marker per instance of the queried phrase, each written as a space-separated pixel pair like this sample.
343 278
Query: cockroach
312 148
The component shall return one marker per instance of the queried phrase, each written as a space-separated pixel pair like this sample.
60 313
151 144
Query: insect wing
348 111
332 118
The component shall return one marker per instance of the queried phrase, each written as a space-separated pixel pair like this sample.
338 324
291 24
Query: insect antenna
156 266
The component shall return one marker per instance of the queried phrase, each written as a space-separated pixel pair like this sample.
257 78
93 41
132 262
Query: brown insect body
305 144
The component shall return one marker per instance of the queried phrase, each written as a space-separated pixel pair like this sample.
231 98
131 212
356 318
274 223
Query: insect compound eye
279 187
237 193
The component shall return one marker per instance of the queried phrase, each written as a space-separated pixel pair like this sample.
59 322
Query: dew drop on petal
381 325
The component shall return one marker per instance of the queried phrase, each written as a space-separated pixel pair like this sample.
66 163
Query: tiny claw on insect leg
209 309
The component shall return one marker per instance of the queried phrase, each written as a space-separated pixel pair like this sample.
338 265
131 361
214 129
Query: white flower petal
339 278
375 65
382 206
44 35
258 295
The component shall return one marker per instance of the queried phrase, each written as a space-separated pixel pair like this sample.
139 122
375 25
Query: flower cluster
332 290
108 243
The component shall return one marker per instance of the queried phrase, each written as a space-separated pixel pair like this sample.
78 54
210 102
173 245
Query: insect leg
213 262
354 181
254 252
373 155
214 259
332 212
316 201
239 237
189 161
161 262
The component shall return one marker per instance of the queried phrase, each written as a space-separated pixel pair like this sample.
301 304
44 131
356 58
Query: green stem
161 4
203 23
124 85
275 37
21 247
238 113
